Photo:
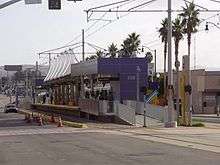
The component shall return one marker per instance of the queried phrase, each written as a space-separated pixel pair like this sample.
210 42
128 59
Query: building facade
205 91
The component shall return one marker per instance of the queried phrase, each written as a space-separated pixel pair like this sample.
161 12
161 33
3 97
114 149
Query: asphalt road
25 144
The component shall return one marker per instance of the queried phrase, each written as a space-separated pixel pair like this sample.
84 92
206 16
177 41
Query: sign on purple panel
128 86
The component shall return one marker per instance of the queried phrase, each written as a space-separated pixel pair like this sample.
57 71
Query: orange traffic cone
40 121
60 124
52 120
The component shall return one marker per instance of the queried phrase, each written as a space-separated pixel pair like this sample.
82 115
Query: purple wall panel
127 70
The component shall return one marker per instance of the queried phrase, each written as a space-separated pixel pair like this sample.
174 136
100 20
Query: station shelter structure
94 85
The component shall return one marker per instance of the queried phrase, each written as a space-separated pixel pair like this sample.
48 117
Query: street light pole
170 122
138 104
155 61
138 85
155 58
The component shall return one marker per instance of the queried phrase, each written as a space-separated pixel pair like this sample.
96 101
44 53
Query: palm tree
177 35
112 50
130 45
91 57
99 54
163 31
190 23
149 57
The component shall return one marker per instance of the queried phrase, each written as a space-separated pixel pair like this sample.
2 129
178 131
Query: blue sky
29 29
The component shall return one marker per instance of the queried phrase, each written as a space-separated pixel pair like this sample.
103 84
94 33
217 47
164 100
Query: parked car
11 108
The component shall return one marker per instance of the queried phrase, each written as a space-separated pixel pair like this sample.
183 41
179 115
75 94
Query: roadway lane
24 144
96 149
27 144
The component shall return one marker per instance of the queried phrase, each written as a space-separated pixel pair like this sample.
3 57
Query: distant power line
215 1
115 8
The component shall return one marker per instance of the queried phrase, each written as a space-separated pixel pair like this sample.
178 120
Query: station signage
108 78
28 2
13 67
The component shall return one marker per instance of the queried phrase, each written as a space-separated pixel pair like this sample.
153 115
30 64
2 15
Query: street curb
66 123
215 117
75 125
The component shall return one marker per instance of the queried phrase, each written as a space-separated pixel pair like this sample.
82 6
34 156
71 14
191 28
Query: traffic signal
54 4
188 88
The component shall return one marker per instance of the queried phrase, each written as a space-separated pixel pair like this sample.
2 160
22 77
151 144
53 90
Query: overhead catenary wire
95 46
202 20
110 4
215 1
145 3
204 10
99 19
111 21
122 3
90 27
129 12
196 5
62 47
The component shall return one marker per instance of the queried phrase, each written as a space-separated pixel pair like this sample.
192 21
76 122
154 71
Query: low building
205 91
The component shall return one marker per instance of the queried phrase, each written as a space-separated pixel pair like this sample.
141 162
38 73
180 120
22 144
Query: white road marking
64 130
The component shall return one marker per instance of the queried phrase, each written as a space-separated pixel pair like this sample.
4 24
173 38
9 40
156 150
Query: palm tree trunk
177 78
165 59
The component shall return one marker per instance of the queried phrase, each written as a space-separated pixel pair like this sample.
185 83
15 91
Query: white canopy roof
60 67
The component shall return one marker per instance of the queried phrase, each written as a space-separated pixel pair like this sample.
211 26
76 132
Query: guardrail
89 106
153 111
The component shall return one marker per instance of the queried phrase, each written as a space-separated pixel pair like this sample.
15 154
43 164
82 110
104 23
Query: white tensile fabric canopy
60 67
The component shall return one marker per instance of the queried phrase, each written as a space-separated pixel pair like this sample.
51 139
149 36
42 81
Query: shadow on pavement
14 123
13 120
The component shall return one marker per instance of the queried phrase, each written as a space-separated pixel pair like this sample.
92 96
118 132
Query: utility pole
35 82
26 83
155 61
138 103
49 55
83 59
9 88
83 45
138 85
170 122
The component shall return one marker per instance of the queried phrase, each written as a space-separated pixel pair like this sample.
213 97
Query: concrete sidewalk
206 115
207 138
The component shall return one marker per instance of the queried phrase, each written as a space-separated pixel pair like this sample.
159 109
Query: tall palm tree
190 22
112 50
177 35
99 54
163 31
91 57
130 45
